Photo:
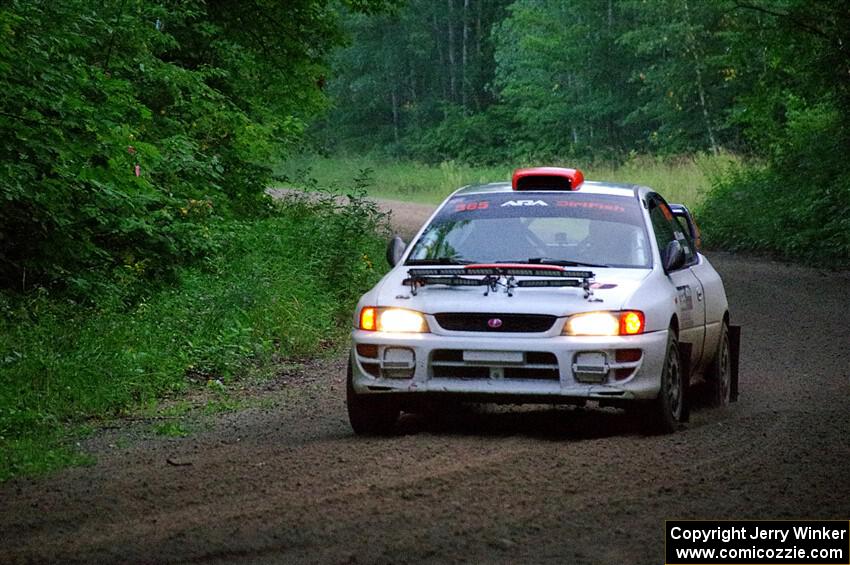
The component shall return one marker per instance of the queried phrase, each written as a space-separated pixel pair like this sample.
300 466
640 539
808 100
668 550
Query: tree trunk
700 85
478 30
438 37
477 87
704 106
609 59
452 85
463 73
395 114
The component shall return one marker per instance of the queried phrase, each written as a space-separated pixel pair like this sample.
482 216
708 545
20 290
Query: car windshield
536 227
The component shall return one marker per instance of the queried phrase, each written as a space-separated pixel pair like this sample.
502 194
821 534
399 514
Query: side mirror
674 256
395 249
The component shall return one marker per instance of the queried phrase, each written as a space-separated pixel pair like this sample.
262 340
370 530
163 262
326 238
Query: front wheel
370 414
664 414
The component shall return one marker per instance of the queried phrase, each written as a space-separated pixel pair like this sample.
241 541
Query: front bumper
487 366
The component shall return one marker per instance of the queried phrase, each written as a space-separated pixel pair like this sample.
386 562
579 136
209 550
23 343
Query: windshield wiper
438 261
561 262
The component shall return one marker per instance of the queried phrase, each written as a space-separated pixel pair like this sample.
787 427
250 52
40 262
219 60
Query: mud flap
735 353
685 350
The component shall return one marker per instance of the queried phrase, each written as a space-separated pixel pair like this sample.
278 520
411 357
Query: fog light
590 367
399 363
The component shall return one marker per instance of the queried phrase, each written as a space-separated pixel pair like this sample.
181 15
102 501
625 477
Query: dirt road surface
286 481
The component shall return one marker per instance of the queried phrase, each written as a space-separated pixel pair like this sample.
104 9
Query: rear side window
690 248
667 228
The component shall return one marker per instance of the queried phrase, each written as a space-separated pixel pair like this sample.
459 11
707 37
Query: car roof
587 187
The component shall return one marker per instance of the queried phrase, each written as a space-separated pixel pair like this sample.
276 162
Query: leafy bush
281 286
126 128
482 138
795 205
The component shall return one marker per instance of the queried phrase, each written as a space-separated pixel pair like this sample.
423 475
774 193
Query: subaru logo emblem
494 323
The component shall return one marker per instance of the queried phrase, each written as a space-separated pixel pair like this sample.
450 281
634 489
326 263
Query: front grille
449 364
507 323
532 373
461 372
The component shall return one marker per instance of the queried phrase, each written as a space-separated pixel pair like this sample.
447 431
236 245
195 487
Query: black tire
373 414
664 414
719 373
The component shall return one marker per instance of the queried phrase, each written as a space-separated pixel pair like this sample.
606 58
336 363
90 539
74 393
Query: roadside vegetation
139 252
281 287
685 180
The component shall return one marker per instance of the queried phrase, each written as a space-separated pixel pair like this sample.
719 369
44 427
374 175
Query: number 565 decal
469 206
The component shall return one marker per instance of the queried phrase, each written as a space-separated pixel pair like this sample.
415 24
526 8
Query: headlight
392 320
628 322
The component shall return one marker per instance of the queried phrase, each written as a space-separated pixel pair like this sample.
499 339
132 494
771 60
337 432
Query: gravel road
286 481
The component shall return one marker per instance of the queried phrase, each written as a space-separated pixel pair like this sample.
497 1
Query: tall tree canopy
488 80
125 125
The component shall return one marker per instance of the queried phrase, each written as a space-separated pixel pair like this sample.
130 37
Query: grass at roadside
283 286
684 180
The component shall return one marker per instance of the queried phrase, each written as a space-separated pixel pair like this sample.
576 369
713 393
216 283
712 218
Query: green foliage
405 72
560 71
170 429
482 138
795 205
198 95
138 250
281 286
42 451
538 80
794 200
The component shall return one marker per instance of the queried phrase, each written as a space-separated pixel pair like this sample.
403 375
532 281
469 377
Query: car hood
611 288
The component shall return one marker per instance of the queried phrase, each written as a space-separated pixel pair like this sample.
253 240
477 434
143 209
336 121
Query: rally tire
664 414
370 414
719 373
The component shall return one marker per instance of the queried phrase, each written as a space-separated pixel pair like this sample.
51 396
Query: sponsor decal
685 297
470 206
589 205
524 203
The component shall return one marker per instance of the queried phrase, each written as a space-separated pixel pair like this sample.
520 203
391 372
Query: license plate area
494 357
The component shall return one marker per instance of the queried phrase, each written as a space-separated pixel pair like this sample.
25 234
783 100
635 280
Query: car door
690 304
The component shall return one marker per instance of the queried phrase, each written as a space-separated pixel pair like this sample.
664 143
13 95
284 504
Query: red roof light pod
547 178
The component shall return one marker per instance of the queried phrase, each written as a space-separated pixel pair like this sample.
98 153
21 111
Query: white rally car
548 289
